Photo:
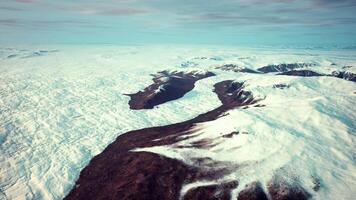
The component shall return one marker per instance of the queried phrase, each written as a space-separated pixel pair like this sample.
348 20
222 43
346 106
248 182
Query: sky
235 22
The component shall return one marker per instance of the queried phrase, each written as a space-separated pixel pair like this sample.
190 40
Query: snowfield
62 105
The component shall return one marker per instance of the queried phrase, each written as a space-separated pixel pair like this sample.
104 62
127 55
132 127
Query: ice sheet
60 109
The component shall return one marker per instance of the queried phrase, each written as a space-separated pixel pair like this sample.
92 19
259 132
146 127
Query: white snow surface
63 105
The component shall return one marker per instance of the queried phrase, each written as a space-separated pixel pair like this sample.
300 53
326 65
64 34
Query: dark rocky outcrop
344 75
308 73
305 73
120 173
216 58
281 86
285 190
236 68
347 67
167 86
284 67
317 184
252 191
230 135
212 192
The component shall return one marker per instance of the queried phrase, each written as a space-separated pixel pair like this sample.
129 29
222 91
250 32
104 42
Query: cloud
26 1
48 24
8 22
8 8
104 10
255 12
335 2
198 13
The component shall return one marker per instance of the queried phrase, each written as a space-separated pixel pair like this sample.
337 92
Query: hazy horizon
225 22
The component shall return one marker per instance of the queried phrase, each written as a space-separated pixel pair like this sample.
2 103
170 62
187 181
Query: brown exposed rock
344 75
120 173
230 135
308 73
211 192
281 86
284 67
259 105
203 144
167 86
347 67
252 191
283 190
236 68
317 184
305 73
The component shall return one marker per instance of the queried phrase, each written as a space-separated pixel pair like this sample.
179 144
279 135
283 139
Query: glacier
62 105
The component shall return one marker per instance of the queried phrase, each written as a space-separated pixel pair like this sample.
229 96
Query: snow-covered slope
305 132
61 108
